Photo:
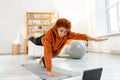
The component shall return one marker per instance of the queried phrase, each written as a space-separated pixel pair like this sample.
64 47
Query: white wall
112 45
9 24
77 11
12 18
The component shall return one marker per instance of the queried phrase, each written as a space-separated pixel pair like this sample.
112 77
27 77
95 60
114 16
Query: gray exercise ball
76 49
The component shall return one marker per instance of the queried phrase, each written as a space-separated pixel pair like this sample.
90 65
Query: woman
56 38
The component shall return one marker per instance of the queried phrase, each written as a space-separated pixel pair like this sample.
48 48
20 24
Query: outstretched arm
96 39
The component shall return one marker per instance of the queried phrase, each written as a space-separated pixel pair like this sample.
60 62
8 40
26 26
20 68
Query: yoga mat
40 71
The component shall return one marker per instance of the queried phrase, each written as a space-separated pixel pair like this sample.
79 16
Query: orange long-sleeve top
53 44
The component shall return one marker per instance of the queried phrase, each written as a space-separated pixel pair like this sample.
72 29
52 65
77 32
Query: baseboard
9 53
5 53
106 51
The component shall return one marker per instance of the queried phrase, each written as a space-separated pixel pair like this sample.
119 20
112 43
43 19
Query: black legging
37 41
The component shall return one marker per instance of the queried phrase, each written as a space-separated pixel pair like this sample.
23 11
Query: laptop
92 74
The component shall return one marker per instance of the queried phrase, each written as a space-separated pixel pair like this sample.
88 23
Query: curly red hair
62 22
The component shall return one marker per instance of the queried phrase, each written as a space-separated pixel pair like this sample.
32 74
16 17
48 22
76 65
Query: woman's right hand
52 74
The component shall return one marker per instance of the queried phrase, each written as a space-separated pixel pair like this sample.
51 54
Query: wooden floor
11 69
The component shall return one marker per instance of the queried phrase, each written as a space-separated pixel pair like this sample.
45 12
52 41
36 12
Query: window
113 15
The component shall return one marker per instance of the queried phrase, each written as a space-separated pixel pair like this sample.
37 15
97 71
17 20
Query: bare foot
40 62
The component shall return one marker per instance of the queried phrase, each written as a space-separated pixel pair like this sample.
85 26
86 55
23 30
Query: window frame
108 7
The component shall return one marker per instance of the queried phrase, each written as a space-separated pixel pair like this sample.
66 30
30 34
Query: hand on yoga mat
52 74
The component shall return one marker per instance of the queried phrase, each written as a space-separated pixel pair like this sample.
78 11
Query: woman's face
62 31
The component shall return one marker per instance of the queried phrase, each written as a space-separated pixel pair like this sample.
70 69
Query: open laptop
92 74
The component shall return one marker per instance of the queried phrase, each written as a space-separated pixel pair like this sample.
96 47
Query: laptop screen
92 74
